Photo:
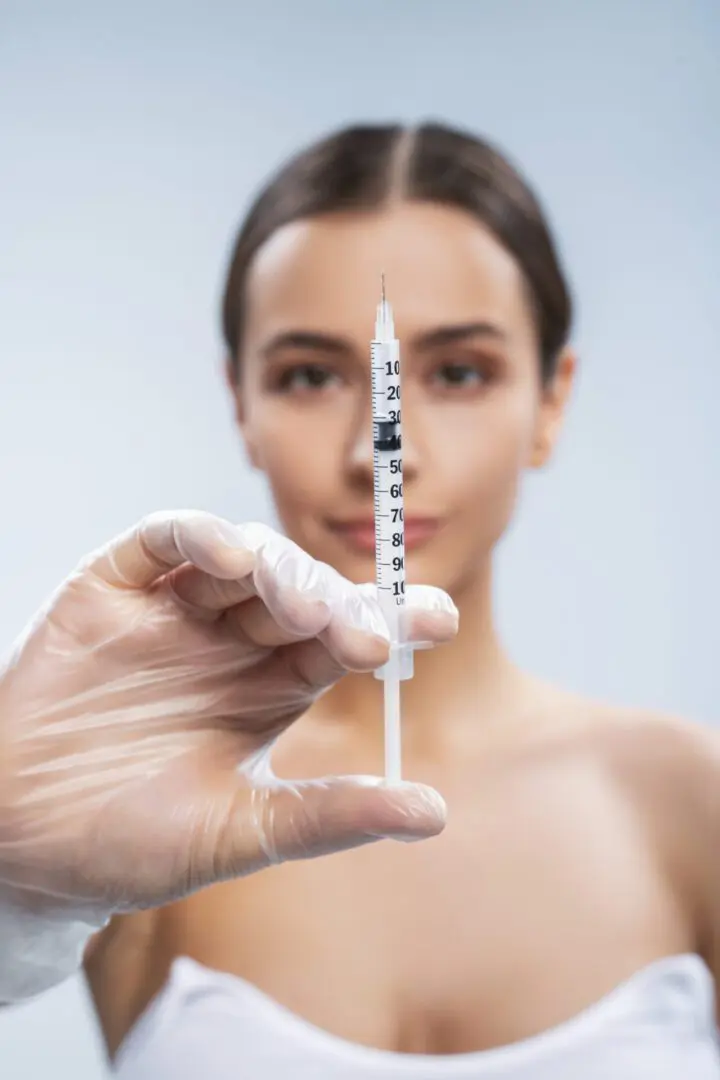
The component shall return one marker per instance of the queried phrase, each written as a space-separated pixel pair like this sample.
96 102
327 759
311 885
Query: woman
563 924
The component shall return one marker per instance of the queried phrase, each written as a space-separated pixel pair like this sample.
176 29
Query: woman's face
474 414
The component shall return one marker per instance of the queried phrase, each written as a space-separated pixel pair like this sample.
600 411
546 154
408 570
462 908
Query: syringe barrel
389 510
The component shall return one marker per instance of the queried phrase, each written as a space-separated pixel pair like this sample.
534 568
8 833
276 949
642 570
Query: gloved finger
314 665
251 621
300 599
208 597
350 626
297 591
207 591
339 649
428 617
165 540
308 599
316 817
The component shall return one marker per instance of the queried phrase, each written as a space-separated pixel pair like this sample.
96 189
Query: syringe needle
382 287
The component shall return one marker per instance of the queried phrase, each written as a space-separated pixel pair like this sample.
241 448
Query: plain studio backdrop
131 140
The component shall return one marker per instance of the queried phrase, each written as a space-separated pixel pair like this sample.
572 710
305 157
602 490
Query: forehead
440 265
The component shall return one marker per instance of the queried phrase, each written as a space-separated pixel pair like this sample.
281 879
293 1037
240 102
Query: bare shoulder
679 756
669 766
640 742
673 766
665 767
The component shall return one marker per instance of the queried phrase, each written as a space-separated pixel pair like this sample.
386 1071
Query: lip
359 533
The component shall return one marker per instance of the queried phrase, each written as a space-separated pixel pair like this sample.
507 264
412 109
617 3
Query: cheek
288 474
293 468
490 450
295 447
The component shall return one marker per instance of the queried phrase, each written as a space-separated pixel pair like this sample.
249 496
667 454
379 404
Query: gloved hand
136 718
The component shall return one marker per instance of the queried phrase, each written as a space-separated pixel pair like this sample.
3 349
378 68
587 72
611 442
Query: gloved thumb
303 819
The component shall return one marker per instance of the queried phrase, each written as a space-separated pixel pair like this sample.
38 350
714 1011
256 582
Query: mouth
359 533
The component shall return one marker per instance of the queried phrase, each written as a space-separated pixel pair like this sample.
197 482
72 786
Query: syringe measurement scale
389 523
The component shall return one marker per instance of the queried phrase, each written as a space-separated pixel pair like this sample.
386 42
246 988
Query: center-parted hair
366 168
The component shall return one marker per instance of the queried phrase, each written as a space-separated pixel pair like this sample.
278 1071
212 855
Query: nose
360 451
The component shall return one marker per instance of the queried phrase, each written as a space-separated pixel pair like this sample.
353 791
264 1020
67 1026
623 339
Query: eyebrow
452 335
305 339
330 343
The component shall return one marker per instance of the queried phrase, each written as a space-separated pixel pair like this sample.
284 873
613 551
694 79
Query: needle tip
382 282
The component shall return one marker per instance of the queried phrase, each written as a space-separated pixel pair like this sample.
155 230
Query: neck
452 685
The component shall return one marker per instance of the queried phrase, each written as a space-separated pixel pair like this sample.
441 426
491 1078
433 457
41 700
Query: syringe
389 521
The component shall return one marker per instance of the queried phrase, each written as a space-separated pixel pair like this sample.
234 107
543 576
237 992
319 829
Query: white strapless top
207 1025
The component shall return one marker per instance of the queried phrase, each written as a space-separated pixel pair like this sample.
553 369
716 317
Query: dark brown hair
363 168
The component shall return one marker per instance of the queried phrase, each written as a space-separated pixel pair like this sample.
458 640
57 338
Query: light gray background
130 142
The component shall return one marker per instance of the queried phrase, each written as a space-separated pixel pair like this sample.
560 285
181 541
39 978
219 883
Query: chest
540 896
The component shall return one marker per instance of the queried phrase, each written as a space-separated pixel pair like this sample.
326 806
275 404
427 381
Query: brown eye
457 375
305 377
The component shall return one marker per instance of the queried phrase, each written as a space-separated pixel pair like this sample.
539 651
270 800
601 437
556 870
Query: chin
425 568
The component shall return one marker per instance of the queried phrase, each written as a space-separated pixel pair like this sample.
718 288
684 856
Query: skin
581 838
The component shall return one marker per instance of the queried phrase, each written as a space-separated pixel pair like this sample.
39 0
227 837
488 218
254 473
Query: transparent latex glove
137 714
